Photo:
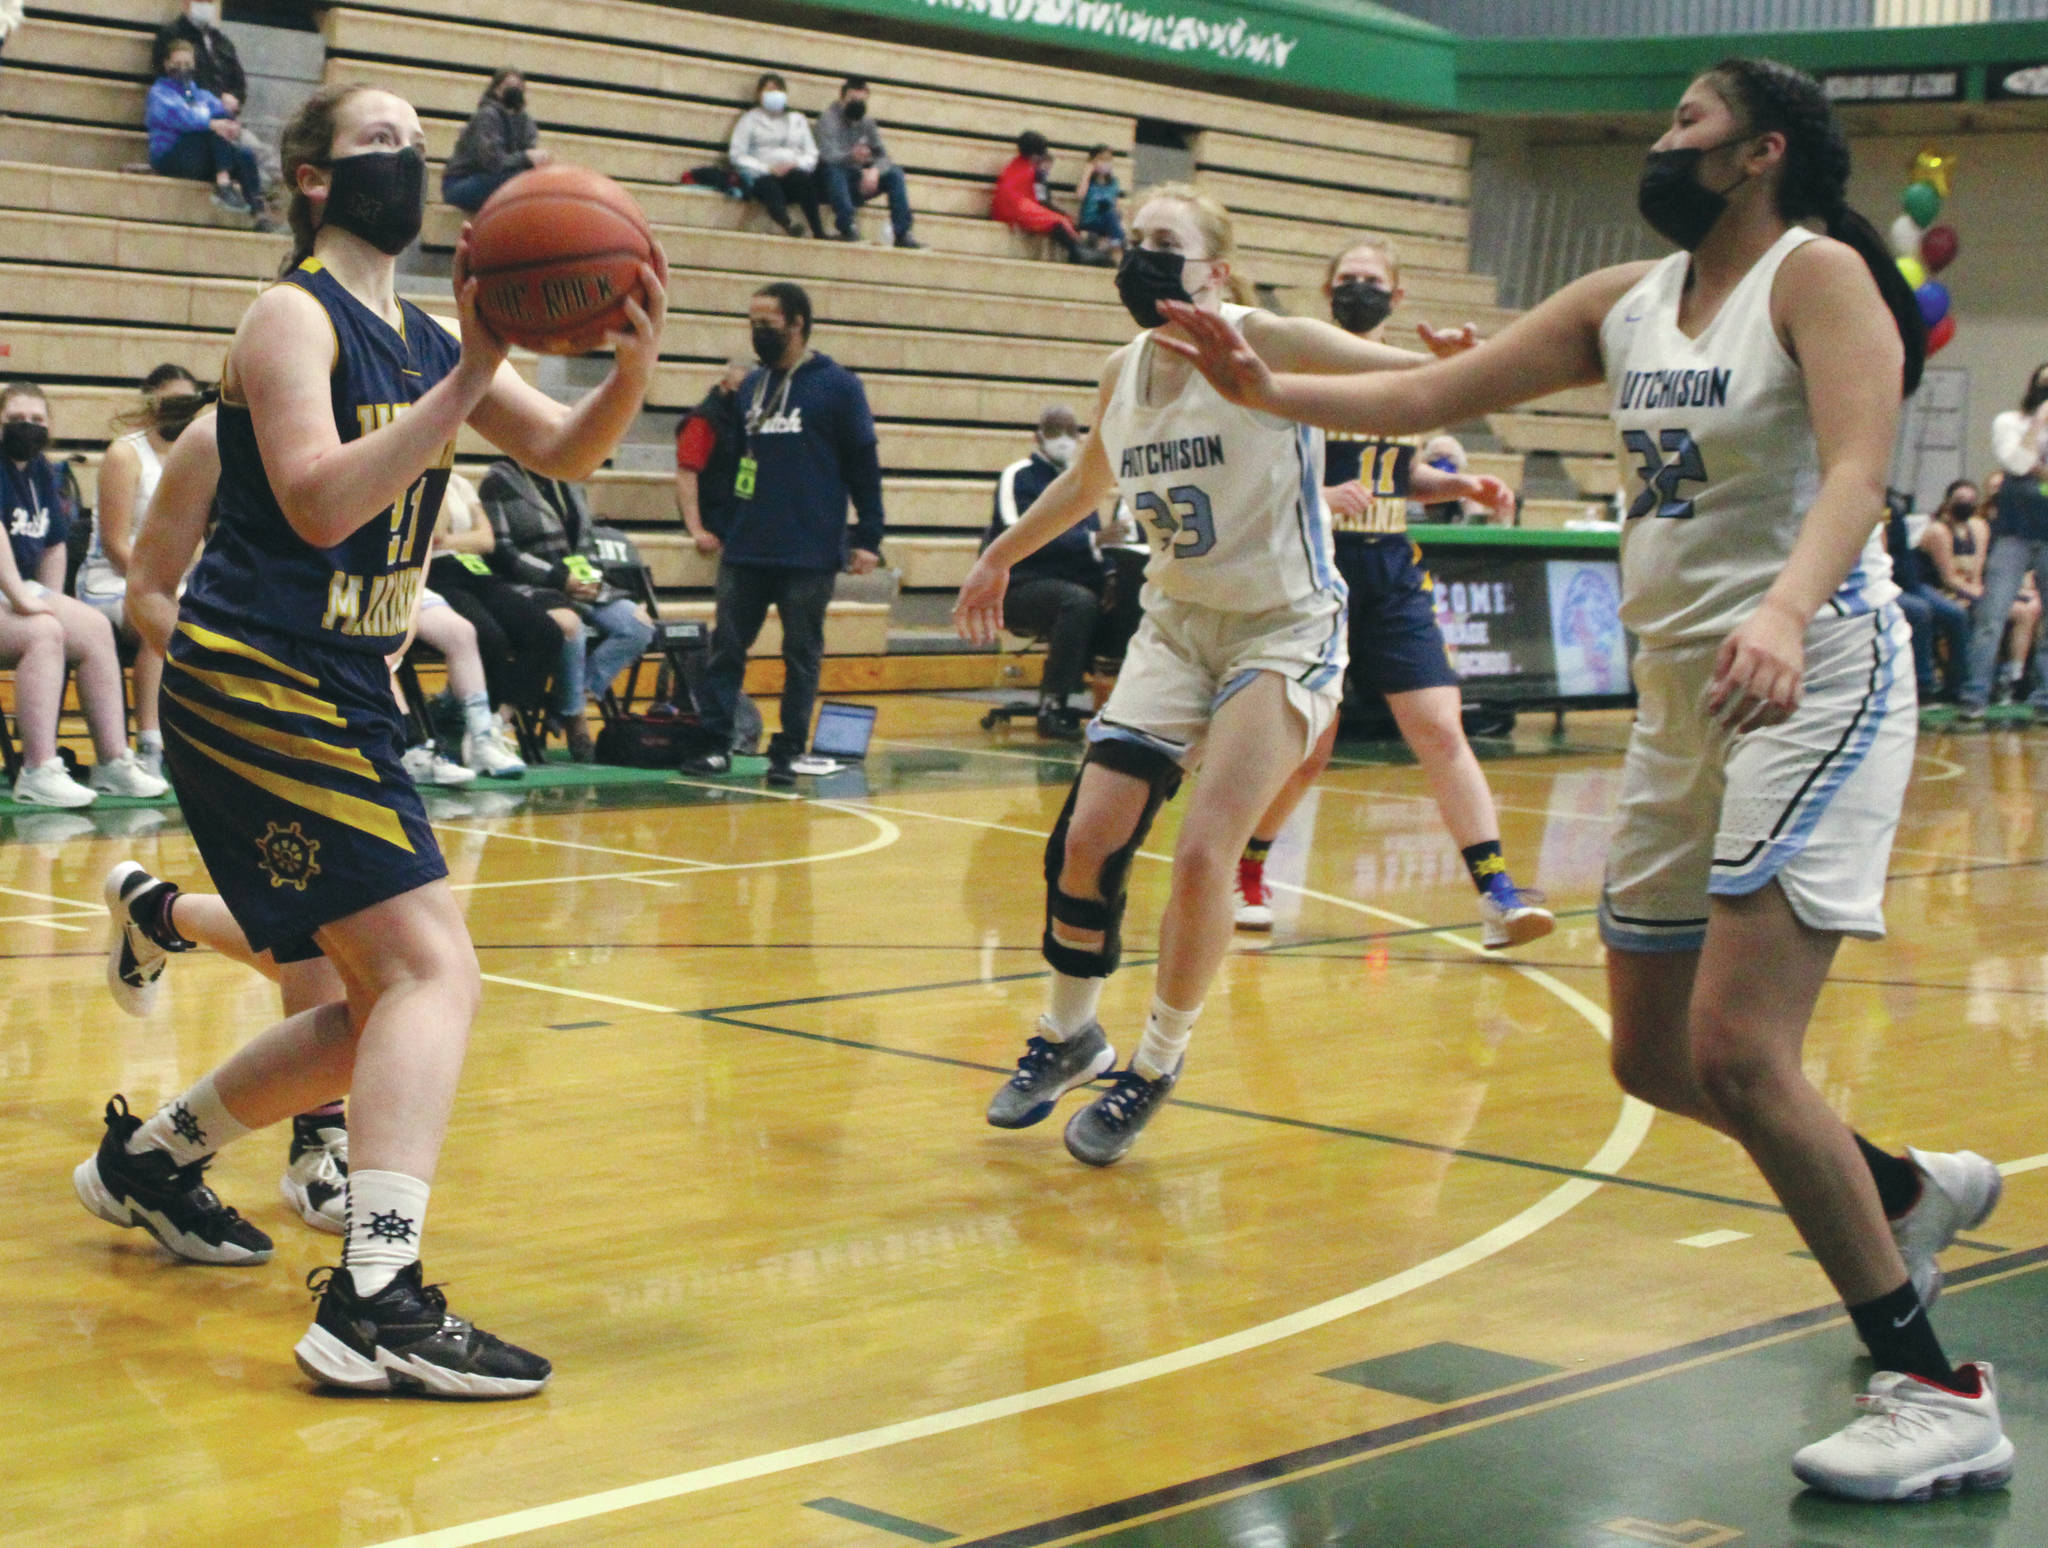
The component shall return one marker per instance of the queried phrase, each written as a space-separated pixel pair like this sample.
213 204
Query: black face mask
22 439
1359 306
1963 510
515 100
381 196
769 344
856 111
1671 197
2036 396
1147 277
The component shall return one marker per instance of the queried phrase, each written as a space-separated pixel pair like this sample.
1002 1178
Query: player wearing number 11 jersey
1755 380
1239 660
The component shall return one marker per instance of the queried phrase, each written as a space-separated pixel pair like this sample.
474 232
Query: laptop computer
839 738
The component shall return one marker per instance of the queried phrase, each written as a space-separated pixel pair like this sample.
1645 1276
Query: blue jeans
2005 571
201 155
1105 223
842 192
468 192
1936 617
622 636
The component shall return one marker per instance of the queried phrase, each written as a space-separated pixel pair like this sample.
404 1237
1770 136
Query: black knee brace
1162 774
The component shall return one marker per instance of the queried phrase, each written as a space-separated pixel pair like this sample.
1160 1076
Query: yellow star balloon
1933 166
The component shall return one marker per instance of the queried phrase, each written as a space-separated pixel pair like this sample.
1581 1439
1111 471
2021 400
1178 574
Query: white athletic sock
150 741
1167 1032
190 1126
386 1211
1070 1006
476 714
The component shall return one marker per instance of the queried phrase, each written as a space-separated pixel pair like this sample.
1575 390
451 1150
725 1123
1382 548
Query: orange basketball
556 251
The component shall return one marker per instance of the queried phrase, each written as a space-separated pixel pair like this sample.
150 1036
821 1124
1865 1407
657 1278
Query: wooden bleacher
107 271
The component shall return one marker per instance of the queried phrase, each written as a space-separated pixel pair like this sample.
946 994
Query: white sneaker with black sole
404 1340
1913 1441
135 962
315 1180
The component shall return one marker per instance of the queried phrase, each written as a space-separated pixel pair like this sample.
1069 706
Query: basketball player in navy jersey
1754 379
339 410
1397 648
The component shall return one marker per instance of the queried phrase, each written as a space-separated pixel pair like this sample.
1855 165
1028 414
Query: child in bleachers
1021 195
1100 192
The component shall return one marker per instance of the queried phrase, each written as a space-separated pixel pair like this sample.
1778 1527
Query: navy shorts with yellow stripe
1396 646
286 760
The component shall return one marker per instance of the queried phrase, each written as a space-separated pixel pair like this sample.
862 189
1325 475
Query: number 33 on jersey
1230 500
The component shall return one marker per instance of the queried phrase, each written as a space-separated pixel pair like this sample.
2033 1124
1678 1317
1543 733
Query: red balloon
1939 335
1938 248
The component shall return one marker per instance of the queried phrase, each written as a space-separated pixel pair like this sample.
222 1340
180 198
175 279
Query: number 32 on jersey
1660 492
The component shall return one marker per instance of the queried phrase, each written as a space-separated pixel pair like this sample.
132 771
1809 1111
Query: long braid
1814 185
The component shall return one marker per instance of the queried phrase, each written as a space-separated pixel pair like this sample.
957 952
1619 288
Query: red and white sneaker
1254 897
1913 1441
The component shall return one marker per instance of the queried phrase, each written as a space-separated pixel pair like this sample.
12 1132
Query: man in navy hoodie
809 448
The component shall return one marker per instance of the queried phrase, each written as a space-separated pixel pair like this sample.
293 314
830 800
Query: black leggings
792 187
520 645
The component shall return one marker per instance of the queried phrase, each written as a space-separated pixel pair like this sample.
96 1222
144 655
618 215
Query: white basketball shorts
1812 804
1185 661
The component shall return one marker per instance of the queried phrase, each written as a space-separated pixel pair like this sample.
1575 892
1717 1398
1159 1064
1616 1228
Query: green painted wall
1348 46
1591 75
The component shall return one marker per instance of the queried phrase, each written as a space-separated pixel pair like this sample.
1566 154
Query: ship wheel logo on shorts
289 856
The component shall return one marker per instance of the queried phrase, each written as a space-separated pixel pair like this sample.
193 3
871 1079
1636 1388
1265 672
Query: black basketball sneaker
171 1202
404 1340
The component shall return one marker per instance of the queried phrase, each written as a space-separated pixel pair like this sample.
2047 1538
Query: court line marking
2024 1164
577 994
1631 1127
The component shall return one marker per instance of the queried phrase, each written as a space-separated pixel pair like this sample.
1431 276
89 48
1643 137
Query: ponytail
1772 97
308 141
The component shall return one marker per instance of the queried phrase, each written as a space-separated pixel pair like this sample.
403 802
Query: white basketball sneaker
489 754
425 766
125 776
49 783
1513 917
1913 1441
1958 1192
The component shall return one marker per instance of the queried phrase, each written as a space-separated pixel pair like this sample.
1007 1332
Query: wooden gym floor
1398 1267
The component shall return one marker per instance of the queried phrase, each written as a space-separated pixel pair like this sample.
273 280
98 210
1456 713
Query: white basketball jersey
150 470
1230 500
1718 458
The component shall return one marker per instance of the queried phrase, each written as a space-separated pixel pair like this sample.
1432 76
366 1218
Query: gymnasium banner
1340 45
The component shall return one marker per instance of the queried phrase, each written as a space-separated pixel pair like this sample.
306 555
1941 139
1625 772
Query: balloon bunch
1925 249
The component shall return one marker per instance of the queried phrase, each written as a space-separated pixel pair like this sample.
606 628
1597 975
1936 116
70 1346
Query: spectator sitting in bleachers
1446 454
545 544
193 135
485 749
1056 593
171 399
218 70
709 442
41 628
854 166
522 641
1100 192
1021 194
499 142
775 158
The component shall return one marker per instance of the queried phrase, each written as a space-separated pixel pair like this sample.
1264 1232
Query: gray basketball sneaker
1047 1072
1107 1127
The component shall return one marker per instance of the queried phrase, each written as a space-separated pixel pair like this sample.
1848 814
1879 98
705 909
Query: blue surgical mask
1443 464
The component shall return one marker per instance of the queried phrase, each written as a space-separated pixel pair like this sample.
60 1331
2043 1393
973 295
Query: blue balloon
1933 299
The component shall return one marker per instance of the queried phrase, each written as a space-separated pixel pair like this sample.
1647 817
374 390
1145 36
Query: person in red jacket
1021 194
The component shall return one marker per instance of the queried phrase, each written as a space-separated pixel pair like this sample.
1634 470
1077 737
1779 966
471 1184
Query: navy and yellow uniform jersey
1380 462
359 594
281 735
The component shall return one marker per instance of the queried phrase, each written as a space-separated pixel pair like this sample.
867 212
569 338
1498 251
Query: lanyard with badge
744 476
